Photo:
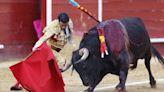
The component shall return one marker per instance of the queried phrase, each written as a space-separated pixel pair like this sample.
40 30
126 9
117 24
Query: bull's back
138 35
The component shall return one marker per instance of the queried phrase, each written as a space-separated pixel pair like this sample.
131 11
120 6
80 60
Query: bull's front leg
121 86
124 66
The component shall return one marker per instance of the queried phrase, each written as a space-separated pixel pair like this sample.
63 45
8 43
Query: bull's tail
157 54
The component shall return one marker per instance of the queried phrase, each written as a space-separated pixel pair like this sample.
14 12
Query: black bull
92 68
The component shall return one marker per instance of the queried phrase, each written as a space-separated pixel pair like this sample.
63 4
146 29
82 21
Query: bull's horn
85 53
67 65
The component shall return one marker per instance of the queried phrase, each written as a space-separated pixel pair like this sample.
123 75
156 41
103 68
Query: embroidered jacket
59 37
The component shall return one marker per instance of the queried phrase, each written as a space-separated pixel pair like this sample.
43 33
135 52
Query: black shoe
16 88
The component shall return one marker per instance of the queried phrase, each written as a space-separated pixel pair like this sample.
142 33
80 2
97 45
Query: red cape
39 72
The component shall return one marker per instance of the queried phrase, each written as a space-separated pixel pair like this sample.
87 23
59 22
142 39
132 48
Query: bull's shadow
127 41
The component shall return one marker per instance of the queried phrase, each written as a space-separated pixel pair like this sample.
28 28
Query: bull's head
89 67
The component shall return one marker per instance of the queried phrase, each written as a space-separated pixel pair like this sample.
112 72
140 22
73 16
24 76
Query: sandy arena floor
137 79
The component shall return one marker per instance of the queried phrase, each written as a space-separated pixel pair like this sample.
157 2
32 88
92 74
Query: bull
132 43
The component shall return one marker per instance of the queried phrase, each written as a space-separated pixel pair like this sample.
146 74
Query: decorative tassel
103 47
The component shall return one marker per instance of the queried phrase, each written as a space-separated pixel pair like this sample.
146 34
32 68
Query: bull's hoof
153 84
118 87
13 88
122 90
87 91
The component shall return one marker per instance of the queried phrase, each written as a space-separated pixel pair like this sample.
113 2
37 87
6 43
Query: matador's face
63 25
